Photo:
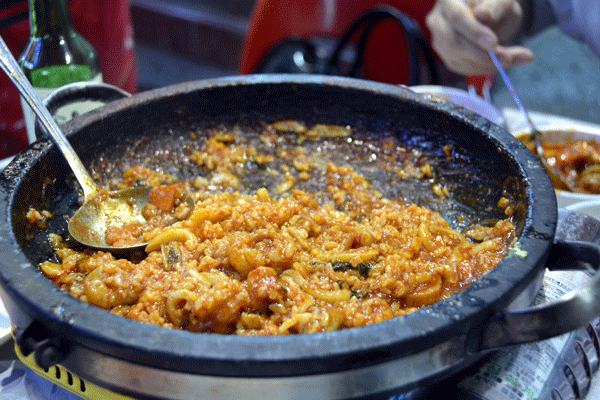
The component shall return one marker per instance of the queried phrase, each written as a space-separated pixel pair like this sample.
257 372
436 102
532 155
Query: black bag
320 55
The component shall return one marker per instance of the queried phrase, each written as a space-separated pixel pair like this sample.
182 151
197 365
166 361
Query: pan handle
573 311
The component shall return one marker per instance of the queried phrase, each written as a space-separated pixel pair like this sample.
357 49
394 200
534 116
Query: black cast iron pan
152 362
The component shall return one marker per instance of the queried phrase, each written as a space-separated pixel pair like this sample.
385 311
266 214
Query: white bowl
590 207
560 133
462 98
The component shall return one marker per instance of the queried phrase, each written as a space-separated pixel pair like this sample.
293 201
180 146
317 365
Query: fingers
513 56
458 38
503 17
490 12
463 33
458 17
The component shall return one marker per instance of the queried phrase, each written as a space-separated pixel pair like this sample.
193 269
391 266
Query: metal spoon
100 209
536 135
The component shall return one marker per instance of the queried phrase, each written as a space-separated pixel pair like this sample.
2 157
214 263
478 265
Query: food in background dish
284 240
576 161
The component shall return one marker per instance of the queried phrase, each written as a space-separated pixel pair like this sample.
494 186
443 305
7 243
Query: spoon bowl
90 223
100 210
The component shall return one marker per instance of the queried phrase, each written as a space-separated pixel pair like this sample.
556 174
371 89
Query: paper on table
522 372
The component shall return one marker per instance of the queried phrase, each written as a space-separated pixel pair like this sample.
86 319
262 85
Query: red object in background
386 55
386 58
106 24
482 84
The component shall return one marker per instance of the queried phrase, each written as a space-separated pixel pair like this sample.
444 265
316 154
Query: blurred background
197 39
146 44
205 38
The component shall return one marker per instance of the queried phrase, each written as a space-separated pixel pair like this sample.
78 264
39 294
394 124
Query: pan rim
107 333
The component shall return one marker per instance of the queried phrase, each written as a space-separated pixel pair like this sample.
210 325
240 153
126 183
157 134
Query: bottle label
61 115
59 75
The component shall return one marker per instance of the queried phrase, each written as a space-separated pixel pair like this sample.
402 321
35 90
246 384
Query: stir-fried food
315 247
576 161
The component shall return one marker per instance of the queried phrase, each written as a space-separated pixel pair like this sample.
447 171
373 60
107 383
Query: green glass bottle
55 54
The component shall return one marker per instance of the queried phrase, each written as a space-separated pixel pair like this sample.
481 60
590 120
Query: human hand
462 33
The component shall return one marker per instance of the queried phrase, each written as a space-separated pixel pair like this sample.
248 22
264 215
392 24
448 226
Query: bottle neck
49 17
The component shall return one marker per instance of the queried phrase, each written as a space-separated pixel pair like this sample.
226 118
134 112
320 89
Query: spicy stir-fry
314 247
576 161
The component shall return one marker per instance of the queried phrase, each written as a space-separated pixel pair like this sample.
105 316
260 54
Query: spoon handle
559 183
512 90
10 66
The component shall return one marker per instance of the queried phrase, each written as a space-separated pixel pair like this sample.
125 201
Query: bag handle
415 40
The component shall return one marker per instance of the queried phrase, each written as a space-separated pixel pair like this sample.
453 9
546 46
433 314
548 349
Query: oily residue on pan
296 229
